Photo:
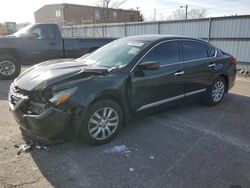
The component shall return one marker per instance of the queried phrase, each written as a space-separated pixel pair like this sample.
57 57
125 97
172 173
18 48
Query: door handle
179 73
211 65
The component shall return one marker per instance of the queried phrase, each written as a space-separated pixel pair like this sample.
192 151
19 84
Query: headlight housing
62 96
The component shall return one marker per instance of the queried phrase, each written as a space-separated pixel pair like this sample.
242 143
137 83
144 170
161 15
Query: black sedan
93 96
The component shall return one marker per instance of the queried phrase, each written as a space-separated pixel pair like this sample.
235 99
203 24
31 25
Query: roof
157 37
68 4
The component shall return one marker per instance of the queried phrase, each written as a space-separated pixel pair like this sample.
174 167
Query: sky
23 10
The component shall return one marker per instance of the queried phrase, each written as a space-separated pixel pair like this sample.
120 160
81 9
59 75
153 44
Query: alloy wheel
103 123
218 91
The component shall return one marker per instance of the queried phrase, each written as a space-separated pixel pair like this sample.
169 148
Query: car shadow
76 164
4 89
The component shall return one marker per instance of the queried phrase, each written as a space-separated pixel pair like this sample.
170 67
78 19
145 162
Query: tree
108 4
192 14
178 14
197 13
141 17
2 30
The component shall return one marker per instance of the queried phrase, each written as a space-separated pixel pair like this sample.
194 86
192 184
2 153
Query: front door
150 88
46 46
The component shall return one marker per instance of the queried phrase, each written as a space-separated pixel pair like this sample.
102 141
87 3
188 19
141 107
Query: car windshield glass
116 54
22 31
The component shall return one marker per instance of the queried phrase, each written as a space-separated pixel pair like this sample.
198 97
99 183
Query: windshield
22 31
116 54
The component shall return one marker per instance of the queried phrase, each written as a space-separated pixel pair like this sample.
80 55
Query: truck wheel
216 92
9 67
102 122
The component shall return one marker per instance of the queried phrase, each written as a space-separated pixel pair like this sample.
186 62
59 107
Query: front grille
17 96
23 102
15 100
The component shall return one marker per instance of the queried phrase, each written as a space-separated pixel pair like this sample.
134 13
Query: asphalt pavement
189 146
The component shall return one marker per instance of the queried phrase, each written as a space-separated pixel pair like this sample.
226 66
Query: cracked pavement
189 146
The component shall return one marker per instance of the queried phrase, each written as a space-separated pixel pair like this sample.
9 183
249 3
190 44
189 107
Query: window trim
181 62
157 103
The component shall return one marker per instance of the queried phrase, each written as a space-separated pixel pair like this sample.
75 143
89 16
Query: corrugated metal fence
231 34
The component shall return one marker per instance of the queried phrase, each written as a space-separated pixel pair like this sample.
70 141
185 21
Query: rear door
150 88
46 46
199 66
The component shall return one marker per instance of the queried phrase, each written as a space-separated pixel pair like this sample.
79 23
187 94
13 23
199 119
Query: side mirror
149 65
32 35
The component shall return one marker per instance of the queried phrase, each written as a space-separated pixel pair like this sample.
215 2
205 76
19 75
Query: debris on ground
42 148
23 148
151 157
118 149
244 72
28 146
131 169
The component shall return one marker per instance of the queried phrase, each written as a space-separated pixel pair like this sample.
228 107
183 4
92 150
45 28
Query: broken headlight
62 96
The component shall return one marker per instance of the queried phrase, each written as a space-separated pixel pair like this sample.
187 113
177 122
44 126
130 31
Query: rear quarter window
211 51
192 50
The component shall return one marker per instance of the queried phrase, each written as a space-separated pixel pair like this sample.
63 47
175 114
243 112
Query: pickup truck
40 42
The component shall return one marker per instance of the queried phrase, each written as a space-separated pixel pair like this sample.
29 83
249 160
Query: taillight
232 61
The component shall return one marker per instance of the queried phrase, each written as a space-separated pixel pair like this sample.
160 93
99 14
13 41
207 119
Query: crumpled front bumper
51 126
47 125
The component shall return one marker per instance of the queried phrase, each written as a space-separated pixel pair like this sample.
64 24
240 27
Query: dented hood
50 72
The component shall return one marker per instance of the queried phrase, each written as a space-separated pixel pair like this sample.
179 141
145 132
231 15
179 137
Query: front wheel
9 67
216 92
102 122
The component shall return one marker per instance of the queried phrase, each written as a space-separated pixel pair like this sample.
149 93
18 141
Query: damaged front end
40 118
47 102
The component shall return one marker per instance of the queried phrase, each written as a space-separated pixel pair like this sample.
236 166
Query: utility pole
186 10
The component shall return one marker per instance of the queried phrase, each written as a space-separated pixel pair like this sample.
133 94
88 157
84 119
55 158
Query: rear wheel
9 67
102 122
216 92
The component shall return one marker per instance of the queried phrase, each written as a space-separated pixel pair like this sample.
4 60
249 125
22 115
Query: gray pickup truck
41 42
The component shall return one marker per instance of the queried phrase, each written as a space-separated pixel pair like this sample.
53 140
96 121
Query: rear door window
192 50
165 53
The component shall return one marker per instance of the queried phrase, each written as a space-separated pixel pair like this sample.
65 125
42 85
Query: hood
10 41
50 72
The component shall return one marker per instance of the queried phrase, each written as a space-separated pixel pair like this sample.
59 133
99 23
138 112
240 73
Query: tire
9 67
217 89
100 130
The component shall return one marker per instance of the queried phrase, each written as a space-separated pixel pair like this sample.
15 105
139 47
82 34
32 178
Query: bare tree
178 14
108 4
141 17
197 13
192 14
